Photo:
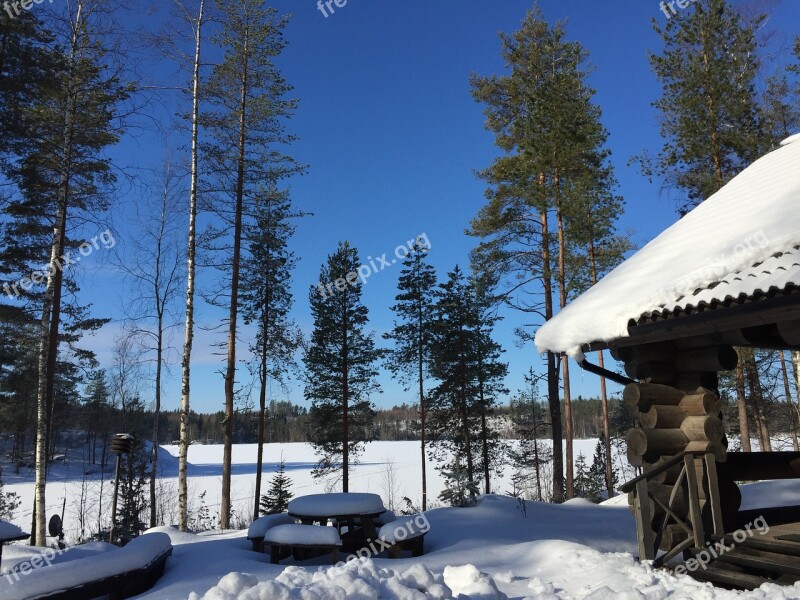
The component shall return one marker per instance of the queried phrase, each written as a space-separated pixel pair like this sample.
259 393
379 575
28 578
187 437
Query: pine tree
267 300
460 490
62 175
246 120
550 134
709 116
132 504
341 366
276 500
412 333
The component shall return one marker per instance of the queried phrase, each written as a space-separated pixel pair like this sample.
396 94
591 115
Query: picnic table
357 511
10 533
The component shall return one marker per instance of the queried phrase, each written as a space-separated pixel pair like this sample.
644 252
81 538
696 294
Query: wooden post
695 513
644 522
713 493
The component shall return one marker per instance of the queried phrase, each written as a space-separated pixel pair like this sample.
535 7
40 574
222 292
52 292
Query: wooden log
662 492
703 429
713 359
669 476
790 332
656 352
693 382
644 395
663 416
718 450
701 404
673 535
643 442
633 459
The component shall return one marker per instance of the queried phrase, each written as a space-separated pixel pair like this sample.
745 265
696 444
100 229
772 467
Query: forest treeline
214 224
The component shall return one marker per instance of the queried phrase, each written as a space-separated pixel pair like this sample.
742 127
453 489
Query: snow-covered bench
259 528
404 533
127 572
302 537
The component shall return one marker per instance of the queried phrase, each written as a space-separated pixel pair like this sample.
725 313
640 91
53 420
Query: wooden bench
302 538
124 573
405 533
259 528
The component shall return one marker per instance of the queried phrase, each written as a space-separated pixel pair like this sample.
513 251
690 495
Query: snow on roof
711 254
9 530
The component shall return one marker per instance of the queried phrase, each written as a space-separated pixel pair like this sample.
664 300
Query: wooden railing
649 539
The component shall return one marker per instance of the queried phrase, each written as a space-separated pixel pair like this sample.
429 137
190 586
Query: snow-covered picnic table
356 511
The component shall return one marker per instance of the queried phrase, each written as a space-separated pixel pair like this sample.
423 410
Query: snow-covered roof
742 241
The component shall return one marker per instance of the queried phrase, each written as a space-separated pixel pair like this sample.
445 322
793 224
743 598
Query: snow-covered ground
390 469
497 549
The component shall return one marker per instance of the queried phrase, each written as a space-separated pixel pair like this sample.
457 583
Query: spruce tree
276 500
340 363
267 300
454 402
412 334
530 453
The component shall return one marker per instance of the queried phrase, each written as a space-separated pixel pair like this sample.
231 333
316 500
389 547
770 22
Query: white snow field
497 549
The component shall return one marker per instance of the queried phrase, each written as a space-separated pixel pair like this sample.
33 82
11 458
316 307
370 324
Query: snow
9 530
753 217
404 528
261 525
317 505
303 535
492 550
32 583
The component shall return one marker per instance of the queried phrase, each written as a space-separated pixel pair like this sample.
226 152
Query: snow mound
303 535
260 526
358 580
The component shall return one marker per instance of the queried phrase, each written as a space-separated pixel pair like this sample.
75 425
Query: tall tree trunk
553 399
230 370
609 466
789 403
741 404
345 401
183 451
562 295
51 307
262 404
757 399
156 424
420 367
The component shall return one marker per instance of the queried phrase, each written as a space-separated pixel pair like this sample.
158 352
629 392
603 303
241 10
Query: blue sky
393 138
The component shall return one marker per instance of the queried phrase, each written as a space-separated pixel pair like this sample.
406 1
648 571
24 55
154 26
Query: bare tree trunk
603 392
262 403
420 365
741 403
757 398
789 402
345 400
562 293
183 452
553 400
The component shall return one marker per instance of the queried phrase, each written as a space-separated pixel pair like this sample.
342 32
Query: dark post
122 443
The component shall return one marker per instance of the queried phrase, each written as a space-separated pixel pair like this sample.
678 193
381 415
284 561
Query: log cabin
676 314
